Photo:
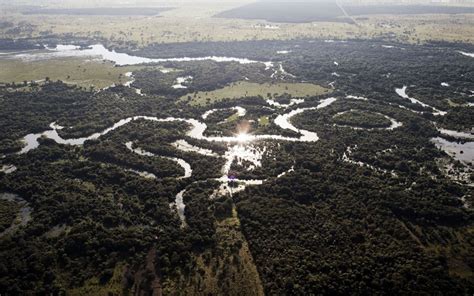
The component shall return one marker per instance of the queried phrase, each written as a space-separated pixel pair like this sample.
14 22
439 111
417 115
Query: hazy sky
96 3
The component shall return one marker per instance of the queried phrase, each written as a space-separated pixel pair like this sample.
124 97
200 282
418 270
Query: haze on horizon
132 3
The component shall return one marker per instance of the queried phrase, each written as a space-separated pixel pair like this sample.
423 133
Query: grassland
233 118
248 89
264 121
82 72
195 22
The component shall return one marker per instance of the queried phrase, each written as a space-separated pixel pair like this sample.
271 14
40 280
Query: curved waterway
239 111
238 150
184 146
393 123
197 130
346 157
456 134
283 121
402 93
467 54
239 147
129 83
181 162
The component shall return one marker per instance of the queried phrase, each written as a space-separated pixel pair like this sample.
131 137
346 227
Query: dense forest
366 209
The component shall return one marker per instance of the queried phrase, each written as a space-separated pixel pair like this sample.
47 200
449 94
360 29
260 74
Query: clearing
244 89
82 72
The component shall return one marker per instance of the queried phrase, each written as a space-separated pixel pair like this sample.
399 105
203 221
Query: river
119 59
402 93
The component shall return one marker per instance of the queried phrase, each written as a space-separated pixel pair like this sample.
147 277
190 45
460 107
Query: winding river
346 157
181 162
238 149
283 121
197 130
402 93
239 110
393 123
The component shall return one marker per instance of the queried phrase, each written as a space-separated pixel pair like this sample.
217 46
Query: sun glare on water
243 134
243 137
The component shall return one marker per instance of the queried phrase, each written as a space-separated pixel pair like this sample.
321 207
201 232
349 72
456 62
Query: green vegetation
358 118
248 89
263 121
8 213
384 219
113 279
81 72
206 76
227 268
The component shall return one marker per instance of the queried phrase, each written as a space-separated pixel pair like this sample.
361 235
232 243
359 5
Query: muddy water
463 152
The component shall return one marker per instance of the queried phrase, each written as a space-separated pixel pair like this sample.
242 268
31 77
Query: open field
263 121
123 11
82 72
291 12
302 12
249 89
195 22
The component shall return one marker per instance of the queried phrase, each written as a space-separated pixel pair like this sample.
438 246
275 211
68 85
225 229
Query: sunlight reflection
243 129
243 137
